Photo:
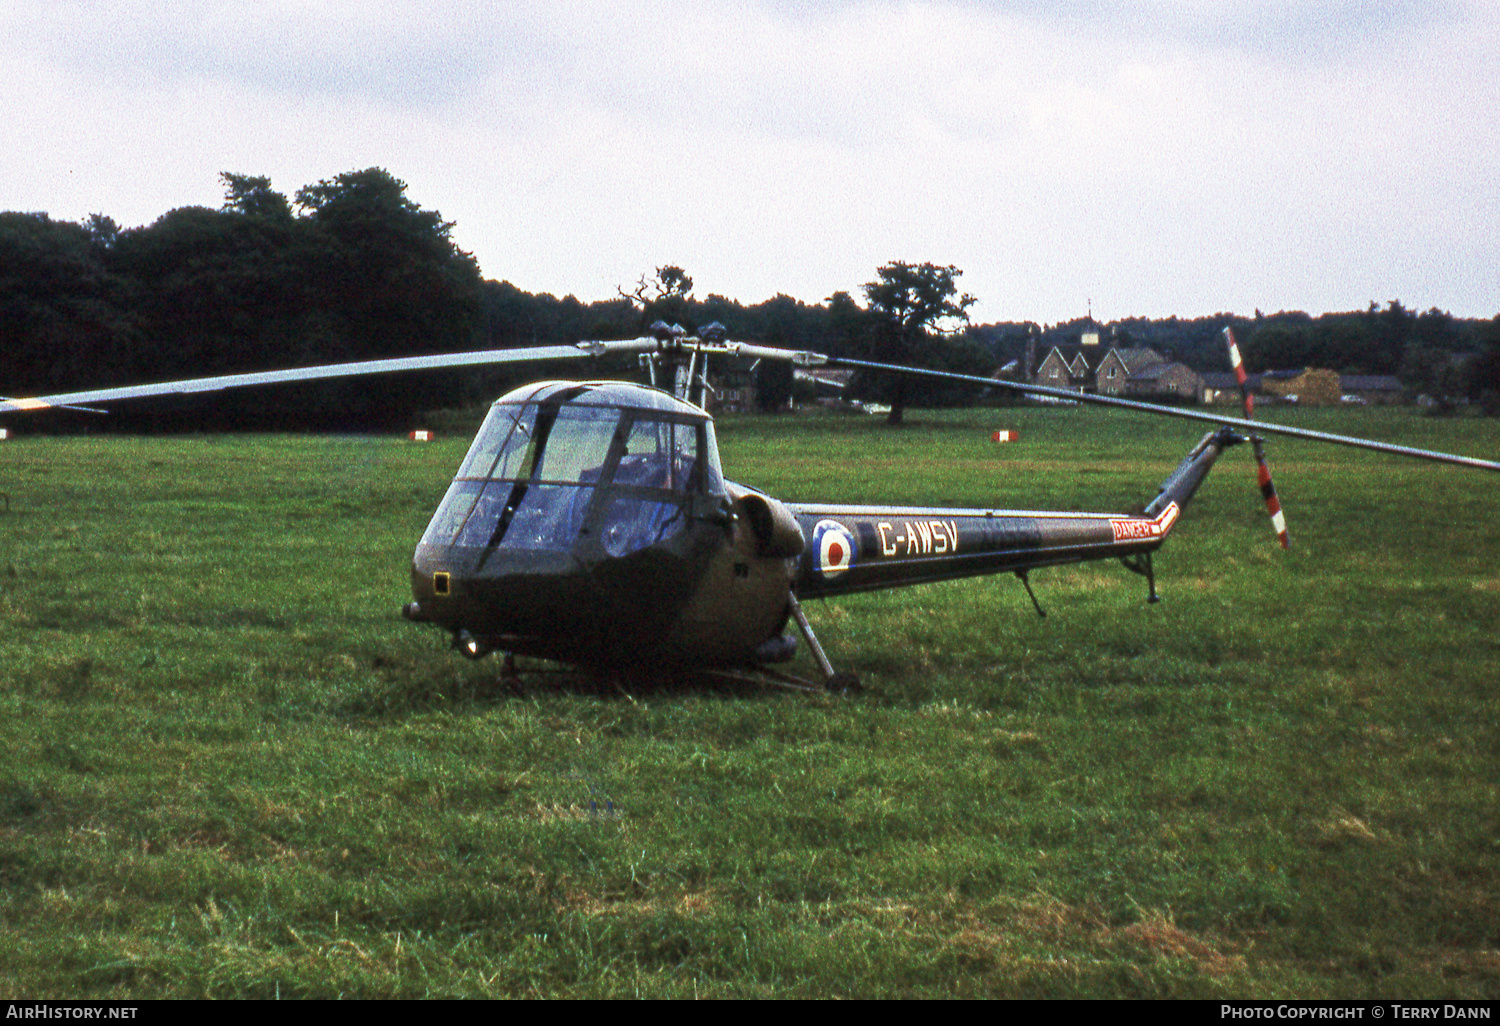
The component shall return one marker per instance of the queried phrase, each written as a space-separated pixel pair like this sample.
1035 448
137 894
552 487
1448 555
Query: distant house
1165 381
1069 364
736 398
1222 387
1138 372
1318 387
1064 367
1120 366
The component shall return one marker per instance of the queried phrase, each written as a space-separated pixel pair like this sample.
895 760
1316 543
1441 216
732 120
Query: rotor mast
681 360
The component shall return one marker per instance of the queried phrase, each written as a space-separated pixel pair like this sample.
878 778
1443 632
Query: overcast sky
1154 157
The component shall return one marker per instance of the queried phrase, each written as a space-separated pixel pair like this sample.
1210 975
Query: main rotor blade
335 370
1173 411
75 409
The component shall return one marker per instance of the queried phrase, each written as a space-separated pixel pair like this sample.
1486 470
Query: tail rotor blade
1239 373
1268 489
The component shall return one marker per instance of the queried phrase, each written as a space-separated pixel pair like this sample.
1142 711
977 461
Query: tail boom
1182 484
864 548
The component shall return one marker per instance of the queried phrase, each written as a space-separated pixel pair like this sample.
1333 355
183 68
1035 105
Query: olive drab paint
571 532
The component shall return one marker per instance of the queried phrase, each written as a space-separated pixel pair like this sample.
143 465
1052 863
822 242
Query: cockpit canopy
561 462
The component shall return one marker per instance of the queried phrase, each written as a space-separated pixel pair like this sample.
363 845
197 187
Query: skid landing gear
1141 564
832 679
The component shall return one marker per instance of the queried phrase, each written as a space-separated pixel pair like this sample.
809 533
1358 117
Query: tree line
350 268
1433 352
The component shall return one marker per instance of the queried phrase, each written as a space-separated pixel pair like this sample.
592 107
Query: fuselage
590 523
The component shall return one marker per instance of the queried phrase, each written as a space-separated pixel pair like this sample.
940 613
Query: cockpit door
651 495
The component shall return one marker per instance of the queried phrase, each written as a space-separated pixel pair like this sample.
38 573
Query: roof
1156 370
1069 354
1136 360
621 394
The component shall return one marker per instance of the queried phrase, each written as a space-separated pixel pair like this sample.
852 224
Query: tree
1378 349
774 378
914 307
215 293
665 297
848 325
390 268
1280 344
389 281
1487 368
103 231
254 197
63 315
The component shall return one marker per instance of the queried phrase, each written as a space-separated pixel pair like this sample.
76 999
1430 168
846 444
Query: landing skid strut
832 680
1141 564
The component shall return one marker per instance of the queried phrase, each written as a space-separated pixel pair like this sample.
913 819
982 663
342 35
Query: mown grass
229 769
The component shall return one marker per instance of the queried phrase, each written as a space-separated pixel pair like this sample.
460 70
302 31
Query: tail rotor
1263 469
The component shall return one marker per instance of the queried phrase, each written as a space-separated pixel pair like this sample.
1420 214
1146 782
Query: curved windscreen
532 478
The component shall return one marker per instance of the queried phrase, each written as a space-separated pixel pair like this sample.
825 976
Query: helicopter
590 523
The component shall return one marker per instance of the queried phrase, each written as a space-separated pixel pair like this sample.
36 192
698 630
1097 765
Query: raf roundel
836 547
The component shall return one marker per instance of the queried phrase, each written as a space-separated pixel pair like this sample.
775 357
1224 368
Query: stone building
1175 381
1120 366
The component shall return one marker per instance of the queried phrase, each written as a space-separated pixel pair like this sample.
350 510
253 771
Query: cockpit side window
660 454
713 475
577 444
661 468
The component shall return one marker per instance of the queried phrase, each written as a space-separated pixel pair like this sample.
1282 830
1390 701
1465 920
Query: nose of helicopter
489 603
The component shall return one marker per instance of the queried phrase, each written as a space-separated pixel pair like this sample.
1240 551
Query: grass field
228 768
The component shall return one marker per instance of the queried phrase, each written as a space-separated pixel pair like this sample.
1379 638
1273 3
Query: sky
1150 158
